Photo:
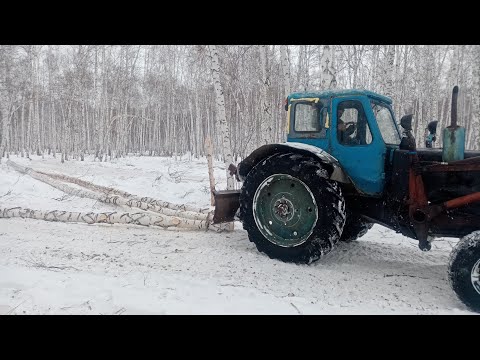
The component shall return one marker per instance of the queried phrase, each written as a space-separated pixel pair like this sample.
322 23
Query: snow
59 268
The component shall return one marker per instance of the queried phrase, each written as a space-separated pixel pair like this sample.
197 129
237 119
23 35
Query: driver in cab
344 130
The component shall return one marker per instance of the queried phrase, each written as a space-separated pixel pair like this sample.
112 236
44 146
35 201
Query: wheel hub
475 276
285 210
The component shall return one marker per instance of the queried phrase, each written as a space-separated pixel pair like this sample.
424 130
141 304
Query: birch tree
221 116
266 125
286 69
6 52
389 71
327 76
3 99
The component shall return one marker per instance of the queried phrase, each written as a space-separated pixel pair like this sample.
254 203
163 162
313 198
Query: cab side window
352 125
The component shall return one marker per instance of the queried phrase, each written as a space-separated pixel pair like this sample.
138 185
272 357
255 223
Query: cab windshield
386 123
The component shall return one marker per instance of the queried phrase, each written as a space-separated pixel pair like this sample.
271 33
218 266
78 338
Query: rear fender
332 165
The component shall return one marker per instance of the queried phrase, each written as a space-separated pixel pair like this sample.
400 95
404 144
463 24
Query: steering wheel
350 128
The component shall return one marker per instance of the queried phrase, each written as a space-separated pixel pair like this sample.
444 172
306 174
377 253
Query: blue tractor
347 165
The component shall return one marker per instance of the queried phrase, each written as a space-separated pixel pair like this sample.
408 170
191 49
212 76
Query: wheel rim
285 210
475 276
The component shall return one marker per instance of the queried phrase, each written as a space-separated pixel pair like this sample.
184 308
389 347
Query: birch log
124 194
138 218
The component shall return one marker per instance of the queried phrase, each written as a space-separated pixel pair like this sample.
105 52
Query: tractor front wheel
464 270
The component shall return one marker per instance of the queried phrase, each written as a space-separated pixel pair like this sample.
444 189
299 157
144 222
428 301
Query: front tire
291 210
464 270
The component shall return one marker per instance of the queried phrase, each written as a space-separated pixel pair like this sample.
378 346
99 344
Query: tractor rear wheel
355 227
290 209
464 270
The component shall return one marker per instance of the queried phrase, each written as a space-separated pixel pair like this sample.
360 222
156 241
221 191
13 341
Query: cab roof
336 93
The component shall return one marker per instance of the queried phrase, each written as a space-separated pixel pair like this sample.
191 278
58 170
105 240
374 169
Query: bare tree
328 77
221 115
286 69
266 126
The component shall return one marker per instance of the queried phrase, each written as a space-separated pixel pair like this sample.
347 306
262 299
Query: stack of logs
146 211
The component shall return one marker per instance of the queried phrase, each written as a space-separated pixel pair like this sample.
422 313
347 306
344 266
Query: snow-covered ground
59 268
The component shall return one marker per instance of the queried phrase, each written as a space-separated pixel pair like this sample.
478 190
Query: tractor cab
356 127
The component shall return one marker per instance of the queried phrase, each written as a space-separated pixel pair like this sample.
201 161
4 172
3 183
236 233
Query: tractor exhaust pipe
454 107
453 135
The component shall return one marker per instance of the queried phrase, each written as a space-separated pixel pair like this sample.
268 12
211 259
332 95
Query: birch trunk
5 118
266 124
139 218
208 146
36 109
221 115
286 69
373 78
197 126
124 194
22 131
327 71
389 73
4 108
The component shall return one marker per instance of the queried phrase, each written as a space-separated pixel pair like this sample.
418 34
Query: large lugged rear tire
464 270
355 227
291 210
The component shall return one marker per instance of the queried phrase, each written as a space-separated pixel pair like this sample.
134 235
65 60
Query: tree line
111 100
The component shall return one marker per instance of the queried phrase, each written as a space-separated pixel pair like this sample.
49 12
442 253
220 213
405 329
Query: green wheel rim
285 210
